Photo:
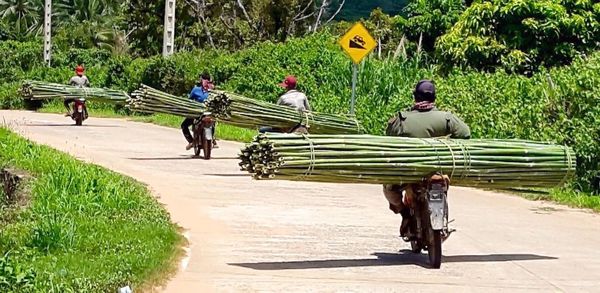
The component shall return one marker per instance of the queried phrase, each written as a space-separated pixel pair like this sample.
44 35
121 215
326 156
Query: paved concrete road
249 236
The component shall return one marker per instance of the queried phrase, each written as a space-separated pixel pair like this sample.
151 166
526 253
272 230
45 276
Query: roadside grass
570 197
103 110
84 229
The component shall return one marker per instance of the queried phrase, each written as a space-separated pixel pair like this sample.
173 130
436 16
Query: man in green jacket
422 120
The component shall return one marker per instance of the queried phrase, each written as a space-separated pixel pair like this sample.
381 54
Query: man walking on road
422 120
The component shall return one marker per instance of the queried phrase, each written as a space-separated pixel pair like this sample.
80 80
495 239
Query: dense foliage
521 35
136 26
559 104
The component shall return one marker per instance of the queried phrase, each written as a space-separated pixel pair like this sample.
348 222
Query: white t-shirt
294 99
80 81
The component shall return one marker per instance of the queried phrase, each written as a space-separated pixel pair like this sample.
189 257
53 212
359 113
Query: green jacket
426 124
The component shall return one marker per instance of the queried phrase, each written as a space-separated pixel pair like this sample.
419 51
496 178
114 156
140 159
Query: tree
25 17
90 23
83 10
430 19
521 35
325 6
381 26
145 21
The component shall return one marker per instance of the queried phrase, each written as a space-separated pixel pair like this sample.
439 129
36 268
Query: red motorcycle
204 135
79 111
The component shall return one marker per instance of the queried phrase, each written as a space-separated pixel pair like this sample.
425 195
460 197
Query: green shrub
116 72
50 74
9 96
14 277
17 57
197 62
521 35
166 75
86 57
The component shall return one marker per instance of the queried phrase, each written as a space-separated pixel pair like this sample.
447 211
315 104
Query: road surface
248 236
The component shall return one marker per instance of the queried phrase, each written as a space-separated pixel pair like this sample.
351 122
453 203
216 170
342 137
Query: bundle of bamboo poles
149 100
249 113
37 90
395 160
241 111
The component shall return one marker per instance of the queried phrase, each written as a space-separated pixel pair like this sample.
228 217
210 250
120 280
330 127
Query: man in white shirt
292 98
79 80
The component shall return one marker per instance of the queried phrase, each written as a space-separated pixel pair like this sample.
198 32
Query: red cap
289 82
79 69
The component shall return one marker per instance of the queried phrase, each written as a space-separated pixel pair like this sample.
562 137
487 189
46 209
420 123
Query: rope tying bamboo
569 168
311 166
396 160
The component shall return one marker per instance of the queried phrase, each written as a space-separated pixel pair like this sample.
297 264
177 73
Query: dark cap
425 90
205 76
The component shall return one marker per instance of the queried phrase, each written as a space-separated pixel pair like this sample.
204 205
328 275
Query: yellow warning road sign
358 43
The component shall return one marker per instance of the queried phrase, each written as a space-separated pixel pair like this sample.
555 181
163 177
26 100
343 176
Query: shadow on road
229 175
180 158
165 158
405 257
70 124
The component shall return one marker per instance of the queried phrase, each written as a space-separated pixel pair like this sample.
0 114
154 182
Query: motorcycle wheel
197 143
78 119
207 148
435 250
415 246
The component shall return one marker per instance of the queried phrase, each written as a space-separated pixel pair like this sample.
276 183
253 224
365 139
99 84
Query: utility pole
169 28
47 32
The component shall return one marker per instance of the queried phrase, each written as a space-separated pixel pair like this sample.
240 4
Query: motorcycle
203 129
79 111
428 222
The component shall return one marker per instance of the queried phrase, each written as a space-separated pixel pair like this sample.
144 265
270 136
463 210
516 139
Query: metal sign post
47 31
357 43
169 28
354 80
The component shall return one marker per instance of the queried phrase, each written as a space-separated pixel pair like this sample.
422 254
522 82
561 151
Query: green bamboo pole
36 90
376 160
240 111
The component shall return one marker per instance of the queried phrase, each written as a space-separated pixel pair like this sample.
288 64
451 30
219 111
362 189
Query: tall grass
85 229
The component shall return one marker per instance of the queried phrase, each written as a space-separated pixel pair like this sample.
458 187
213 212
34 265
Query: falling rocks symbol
357 43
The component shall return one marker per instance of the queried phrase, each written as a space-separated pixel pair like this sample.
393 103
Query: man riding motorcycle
79 80
422 120
291 98
199 94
